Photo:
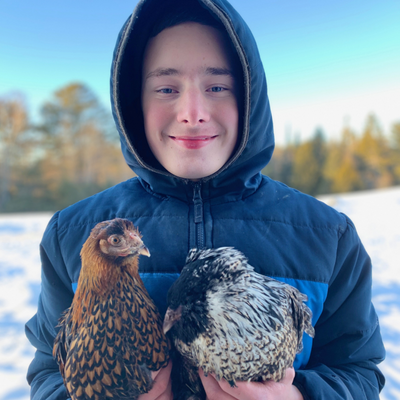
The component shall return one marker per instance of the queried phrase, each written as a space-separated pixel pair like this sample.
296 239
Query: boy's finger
161 380
213 389
289 377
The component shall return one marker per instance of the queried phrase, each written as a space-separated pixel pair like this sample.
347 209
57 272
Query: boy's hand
221 390
162 388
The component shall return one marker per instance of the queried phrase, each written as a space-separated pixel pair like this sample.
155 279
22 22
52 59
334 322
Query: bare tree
13 145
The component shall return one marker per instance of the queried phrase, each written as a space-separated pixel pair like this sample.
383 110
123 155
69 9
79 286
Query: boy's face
189 103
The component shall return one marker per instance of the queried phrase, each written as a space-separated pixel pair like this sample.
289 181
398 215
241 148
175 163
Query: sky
328 64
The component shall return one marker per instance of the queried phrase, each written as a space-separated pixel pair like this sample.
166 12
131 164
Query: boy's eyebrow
172 71
162 72
218 71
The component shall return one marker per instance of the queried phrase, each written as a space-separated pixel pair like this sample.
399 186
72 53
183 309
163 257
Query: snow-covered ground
376 215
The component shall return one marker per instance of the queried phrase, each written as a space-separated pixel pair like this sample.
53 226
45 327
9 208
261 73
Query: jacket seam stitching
297 278
125 216
269 275
59 246
362 331
282 222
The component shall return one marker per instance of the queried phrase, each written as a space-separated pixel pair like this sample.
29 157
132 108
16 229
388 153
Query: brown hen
111 337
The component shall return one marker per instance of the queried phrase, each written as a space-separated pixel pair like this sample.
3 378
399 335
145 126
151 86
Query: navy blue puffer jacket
285 234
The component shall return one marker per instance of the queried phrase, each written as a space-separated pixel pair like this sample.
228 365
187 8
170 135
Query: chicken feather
111 337
233 322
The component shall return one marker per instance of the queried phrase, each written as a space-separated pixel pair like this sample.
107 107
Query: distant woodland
356 161
74 152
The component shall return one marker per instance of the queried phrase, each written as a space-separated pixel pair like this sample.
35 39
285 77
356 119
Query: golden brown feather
111 337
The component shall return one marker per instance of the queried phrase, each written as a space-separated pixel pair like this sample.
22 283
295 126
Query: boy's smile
193 142
189 100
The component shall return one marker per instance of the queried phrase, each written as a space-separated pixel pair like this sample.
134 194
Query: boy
190 102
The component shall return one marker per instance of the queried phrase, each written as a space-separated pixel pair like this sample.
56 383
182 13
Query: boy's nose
193 108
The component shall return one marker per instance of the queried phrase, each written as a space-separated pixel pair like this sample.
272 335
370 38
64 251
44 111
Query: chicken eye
115 240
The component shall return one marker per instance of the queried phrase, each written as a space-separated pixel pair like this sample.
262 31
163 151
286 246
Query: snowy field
376 215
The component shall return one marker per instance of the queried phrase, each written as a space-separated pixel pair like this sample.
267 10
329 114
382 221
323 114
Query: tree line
71 153
356 161
74 152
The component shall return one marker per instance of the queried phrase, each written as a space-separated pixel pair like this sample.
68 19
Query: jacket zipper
198 215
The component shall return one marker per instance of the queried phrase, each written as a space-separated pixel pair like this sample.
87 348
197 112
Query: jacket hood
240 176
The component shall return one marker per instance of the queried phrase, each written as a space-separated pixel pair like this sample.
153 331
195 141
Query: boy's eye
217 89
165 91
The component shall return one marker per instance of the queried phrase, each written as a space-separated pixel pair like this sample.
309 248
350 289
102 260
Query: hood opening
128 69
256 139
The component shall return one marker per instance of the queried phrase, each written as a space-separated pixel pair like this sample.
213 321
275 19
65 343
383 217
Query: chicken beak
137 242
144 251
171 317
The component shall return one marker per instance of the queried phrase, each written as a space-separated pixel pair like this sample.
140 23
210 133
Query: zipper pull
198 203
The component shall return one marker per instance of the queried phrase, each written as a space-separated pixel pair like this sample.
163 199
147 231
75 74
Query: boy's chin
194 169
193 175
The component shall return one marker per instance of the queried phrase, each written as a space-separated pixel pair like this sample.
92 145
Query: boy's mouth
193 142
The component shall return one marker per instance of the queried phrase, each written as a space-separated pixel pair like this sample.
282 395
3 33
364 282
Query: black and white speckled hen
233 322
111 337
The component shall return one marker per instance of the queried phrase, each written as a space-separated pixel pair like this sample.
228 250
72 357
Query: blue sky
327 63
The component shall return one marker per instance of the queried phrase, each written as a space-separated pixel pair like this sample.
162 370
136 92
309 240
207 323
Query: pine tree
80 158
308 162
341 168
373 156
395 157
14 144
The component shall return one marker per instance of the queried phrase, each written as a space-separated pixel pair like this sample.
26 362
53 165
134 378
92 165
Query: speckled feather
111 337
246 326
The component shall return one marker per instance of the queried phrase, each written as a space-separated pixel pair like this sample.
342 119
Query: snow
377 219
20 235
376 215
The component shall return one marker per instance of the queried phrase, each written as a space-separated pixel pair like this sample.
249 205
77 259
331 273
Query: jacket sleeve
347 346
56 295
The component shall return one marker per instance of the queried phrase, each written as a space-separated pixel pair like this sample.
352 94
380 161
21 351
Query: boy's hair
188 12
192 11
